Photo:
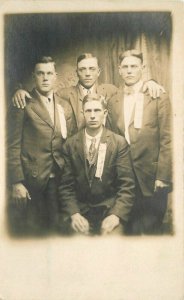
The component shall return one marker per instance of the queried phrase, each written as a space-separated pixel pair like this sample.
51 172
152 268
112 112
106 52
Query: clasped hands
80 224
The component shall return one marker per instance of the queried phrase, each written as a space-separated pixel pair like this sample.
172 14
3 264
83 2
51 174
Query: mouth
92 122
88 80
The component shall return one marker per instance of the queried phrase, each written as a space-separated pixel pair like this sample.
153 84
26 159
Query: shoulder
117 95
118 139
72 140
108 88
66 92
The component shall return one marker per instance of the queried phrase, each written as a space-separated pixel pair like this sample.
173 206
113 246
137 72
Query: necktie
92 151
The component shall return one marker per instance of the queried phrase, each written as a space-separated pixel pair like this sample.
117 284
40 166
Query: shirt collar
98 136
85 91
137 86
45 98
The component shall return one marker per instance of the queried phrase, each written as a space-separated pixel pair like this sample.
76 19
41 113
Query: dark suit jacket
34 142
150 146
73 96
115 189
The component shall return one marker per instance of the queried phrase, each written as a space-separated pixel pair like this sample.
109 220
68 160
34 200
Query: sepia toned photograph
92 153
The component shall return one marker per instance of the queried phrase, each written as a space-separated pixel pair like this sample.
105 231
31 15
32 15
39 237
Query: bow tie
128 90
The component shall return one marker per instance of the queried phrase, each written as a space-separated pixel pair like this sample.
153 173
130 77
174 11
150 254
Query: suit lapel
74 96
80 144
119 111
39 108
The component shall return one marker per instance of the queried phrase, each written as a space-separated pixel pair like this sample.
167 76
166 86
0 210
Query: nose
129 70
92 116
87 72
45 77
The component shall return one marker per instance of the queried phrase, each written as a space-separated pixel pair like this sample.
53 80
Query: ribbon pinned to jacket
62 121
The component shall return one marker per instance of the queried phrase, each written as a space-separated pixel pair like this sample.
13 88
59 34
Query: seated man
96 191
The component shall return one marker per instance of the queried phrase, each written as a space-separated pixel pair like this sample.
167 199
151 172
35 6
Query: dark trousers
147 213
39 216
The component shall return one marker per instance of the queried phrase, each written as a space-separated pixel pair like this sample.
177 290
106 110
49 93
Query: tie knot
93 141
128 90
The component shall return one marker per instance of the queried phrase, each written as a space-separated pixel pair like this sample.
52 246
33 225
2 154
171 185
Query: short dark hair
131 52
95 97
44 60
86 55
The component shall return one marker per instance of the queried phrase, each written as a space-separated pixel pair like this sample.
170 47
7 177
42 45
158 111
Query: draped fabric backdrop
65 36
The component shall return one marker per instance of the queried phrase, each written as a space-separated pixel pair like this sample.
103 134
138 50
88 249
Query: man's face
45 77
131 69
88 72
94 114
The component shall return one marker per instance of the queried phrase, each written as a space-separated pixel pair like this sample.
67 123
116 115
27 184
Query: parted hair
95 97
44 60
86 55
131 52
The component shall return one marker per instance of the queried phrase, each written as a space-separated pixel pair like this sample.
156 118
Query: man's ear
105 112
119 69
33 75
99 71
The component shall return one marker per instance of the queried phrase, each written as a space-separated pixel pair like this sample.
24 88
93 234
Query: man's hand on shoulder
20 194
109 223
19 98
79 223
153 88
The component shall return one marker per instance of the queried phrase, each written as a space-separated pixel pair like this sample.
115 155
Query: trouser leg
154 209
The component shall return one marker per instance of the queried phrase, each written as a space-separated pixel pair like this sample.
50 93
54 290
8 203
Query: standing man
35 137
97 186
88 71
146 127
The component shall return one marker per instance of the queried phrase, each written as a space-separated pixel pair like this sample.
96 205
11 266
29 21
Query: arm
67 195
164 169
15 119
125 183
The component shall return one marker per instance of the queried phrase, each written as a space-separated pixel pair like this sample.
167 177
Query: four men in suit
144 122
97 187
146 126
35 138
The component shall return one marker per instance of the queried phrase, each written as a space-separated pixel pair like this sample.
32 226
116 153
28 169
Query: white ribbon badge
101 159
62 121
